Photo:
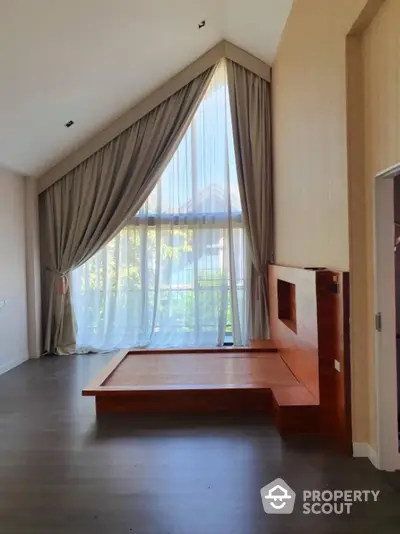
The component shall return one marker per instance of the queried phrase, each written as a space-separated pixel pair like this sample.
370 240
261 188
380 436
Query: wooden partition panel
313 340
296 341
334 357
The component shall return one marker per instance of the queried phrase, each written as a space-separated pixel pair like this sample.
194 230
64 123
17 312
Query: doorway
386 290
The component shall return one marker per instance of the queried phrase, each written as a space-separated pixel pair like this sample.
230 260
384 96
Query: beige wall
13 316
381 50
381 73
310 159
309 111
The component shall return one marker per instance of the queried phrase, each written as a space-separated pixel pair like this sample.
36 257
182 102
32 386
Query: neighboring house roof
211 196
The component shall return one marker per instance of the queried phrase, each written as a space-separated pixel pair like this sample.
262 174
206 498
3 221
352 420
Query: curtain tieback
63 282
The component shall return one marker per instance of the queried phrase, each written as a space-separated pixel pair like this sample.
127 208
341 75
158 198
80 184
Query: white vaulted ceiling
90 60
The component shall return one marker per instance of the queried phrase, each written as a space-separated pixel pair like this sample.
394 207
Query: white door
385 333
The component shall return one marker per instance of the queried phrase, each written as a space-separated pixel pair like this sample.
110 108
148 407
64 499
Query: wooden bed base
301 377
253 380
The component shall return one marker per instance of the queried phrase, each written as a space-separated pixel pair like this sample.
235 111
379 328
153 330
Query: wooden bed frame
301 377
201 385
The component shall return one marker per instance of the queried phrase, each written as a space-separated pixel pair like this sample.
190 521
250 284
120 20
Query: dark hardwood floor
61 472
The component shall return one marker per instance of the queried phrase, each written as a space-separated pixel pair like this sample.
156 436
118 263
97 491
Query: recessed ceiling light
202 24
69 124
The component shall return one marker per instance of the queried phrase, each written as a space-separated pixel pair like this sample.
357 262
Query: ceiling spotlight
69 124
202 24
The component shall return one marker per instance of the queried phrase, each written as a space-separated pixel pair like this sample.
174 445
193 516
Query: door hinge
378 322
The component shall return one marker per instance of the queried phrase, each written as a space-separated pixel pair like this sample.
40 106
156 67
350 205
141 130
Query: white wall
13 316
33 267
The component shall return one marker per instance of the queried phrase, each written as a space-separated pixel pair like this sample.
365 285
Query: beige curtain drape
88 206
250 101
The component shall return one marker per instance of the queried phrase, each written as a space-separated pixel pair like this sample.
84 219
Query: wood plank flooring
64 472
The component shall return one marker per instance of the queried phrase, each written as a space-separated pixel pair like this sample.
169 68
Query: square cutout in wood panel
287 304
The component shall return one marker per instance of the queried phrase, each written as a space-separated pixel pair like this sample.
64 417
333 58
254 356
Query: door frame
385 359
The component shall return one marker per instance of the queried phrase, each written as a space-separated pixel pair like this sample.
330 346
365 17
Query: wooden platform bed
226 380
300 379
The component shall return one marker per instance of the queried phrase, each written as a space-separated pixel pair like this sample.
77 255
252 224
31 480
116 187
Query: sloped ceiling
90 60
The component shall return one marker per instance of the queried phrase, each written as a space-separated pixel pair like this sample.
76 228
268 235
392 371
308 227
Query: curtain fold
250 99
81 212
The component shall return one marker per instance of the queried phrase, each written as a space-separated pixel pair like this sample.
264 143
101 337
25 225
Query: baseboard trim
364 450
11 364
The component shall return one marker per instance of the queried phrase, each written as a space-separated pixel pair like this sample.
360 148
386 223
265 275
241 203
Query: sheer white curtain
175 276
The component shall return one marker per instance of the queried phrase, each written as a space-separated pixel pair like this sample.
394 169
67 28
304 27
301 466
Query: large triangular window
175 275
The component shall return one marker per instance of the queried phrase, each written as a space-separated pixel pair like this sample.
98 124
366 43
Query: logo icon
277 497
